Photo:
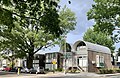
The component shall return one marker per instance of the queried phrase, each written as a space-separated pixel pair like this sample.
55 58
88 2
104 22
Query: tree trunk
30 61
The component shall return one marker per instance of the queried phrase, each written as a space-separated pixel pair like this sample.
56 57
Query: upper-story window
80 45
54 55
49 56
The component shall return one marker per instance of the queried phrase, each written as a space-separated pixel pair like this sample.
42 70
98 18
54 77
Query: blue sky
80 8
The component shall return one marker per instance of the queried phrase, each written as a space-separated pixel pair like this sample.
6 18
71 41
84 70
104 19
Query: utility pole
65 54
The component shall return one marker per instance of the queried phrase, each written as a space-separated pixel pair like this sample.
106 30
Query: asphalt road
82 76
57 75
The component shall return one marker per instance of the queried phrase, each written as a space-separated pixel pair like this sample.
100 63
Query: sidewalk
22 75
108 75
57 74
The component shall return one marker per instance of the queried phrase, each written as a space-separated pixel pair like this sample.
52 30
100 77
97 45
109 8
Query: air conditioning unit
93 62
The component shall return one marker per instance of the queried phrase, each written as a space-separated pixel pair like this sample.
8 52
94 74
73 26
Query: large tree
36 25
99 38
35 12
106 14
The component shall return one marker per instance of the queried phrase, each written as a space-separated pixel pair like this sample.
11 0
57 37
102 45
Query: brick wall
92 57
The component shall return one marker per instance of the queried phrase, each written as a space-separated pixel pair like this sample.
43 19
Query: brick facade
92 57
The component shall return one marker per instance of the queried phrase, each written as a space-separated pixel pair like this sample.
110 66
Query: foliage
8 55
12 64
67 20
117 70
99 38
36 24
34 12
106 71
59 69
119 52
106 15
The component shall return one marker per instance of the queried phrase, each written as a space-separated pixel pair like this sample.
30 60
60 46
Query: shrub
101 71
109 71
106 71
117 70
59 69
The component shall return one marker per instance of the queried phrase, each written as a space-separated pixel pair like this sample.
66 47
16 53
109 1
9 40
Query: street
58 75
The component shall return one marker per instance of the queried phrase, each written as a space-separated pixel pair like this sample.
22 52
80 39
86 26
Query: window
80 57
99 61
54 55
49 56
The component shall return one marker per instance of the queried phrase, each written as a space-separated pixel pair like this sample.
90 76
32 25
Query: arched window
79 45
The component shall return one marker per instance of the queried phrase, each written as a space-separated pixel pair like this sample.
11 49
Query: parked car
2 68
14 69
37 70
7 69
41 70
25 70
33 70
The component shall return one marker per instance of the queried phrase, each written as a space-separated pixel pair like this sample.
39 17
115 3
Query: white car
40 70
25 70
37 70
2 68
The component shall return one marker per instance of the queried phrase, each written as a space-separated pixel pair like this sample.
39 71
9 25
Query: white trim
93 47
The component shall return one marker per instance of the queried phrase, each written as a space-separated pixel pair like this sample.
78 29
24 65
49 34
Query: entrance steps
74 69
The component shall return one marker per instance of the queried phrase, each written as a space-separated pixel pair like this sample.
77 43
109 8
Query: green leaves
67 20
6 18
35 24
99 38
106 14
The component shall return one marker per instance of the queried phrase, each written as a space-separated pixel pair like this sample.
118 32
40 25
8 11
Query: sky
80 8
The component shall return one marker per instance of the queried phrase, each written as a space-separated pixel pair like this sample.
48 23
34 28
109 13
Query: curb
108 75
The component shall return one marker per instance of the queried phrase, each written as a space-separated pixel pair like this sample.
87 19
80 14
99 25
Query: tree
27 11
99 38
106 15
119 52
37 25
7 54
67 20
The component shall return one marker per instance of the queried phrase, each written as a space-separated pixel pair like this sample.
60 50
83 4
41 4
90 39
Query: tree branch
48 45
38 49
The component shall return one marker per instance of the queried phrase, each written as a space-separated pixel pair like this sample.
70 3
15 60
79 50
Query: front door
82 62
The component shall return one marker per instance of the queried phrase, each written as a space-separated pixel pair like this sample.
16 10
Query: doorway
82 62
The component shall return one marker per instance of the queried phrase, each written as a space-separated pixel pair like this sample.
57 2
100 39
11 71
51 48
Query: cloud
80 7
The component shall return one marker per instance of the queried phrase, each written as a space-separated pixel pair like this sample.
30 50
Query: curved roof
93 47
